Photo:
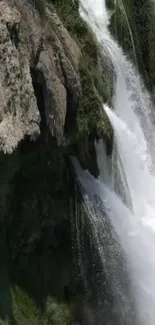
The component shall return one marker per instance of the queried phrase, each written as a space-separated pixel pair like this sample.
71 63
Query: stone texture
27 44
19 115
57 65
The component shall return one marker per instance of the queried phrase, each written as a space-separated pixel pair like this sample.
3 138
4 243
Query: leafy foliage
68 11
25 311
90 113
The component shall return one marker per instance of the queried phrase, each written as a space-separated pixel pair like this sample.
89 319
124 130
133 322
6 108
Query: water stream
126 189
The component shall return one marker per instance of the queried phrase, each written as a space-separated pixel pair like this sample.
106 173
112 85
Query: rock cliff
19 115
46 56
52 87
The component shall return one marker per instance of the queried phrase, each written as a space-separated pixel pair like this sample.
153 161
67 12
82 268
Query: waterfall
131 100
126 190
109 272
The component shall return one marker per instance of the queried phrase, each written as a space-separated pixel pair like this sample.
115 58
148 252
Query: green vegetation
91 117
26 312
68 12
24 309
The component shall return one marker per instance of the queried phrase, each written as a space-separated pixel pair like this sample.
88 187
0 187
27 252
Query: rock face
48 88
19 115
39 93
35 61
56 71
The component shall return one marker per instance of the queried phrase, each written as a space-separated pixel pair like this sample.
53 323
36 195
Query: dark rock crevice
40 94
71 114
73 91
14 33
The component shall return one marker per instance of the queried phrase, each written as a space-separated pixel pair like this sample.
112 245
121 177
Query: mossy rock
91 117
95 88
25 311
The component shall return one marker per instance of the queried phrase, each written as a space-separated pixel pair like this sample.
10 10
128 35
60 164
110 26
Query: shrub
24 309
90 118
26 312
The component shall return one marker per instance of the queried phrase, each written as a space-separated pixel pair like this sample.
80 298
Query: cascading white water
132 121
137 241
130 95
115 302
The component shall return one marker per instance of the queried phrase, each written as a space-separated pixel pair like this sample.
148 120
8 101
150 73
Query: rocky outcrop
57 72
48 57
19 115
32 55
51 90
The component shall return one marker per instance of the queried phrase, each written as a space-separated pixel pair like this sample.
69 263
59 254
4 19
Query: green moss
68 12
25 311
91 117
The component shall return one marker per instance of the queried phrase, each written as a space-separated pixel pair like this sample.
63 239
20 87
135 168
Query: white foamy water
130 95
132 119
